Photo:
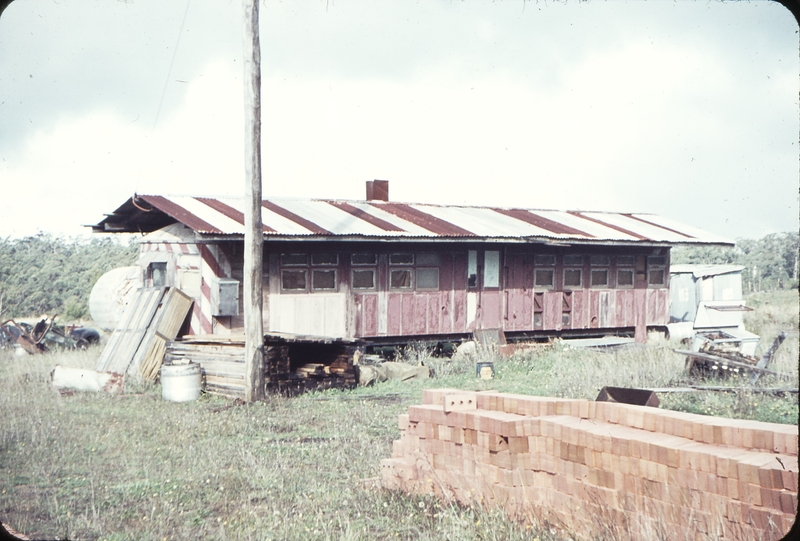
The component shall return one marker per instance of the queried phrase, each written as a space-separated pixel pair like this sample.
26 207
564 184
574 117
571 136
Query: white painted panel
472 308
316 315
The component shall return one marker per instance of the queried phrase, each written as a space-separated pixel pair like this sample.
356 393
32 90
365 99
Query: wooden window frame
304 270
593 270
373 263
633 277
658 267
410 271
564 277
540 287
416 278
335 272
374 272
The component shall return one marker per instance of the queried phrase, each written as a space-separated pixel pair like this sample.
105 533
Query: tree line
770 262
50 275
43 274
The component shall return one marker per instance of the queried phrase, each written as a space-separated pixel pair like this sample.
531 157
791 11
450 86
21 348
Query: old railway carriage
391 272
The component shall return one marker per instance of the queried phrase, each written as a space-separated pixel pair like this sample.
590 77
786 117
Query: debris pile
600 469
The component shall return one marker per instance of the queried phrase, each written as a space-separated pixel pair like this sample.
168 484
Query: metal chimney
377 190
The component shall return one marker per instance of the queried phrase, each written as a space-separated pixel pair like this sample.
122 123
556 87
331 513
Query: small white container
181 382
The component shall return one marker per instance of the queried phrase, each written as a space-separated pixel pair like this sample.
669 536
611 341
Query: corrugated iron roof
701 271
376 220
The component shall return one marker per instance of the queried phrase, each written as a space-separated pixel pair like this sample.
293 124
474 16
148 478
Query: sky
685 109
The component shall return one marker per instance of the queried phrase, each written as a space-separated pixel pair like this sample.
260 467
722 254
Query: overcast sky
683 109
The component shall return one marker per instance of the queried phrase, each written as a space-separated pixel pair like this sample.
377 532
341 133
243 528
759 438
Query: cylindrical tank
181 382
111 294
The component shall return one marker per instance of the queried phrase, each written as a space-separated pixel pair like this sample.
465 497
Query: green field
132 466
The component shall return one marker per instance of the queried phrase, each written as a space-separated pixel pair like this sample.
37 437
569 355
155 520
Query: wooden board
165 326
127 337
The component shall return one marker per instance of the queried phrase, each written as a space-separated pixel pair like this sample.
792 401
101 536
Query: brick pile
600 468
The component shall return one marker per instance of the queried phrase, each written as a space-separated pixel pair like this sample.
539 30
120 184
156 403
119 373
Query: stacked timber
221 359
600 469
301 366
291 366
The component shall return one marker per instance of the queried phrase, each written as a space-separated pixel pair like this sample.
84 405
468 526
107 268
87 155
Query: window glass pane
400 279
293 279
599 277
491 269
624 278
364 279
429 260
626 260
428 278
323 279
572 278
401 259
472 268
324 259
573 260
363 259
158 273
544 259
544 278
600 260
294 259
656 277
658 260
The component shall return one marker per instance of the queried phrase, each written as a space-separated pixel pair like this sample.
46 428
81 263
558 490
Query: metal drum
181 382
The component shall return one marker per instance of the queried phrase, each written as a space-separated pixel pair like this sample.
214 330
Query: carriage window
400 279
657 270
573 260
428 260
491 269
363 259
428 278
294 259
624 278
599 277
293 280
544 278
364 279
401 259
656 277
472 268
324 259
157 272
572 277
323 280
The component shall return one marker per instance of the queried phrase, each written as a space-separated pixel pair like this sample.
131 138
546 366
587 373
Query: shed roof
701 271
294 219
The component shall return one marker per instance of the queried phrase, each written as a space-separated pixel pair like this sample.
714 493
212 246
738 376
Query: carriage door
484 300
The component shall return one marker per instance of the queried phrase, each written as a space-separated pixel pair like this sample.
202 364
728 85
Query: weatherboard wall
512 301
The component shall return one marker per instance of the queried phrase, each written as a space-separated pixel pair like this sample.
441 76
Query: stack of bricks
600 468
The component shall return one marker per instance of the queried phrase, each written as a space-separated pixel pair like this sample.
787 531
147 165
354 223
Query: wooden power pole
253 232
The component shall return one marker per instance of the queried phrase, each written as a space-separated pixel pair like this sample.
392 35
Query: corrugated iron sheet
394 221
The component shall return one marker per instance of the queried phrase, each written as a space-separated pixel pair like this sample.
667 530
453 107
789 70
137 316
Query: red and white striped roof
382 220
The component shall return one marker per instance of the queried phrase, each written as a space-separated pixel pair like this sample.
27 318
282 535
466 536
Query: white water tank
111 295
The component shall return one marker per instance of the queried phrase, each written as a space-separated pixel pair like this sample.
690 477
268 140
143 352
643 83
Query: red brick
789 480
733 489
787 504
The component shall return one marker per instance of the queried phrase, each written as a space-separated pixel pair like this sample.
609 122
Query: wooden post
253 233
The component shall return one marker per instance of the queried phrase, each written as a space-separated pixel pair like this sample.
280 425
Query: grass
132 466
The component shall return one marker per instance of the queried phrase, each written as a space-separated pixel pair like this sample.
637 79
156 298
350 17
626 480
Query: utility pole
253 231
